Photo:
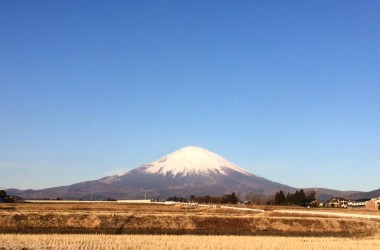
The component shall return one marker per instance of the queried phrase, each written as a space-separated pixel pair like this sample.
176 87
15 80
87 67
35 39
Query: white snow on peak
192 160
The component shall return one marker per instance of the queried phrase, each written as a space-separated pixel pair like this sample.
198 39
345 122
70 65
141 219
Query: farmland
158 226
179 242
112 218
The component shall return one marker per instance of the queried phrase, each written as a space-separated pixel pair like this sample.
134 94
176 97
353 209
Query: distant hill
325 194
370 194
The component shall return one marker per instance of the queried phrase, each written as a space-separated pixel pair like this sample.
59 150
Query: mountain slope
364 195
325 194
190 170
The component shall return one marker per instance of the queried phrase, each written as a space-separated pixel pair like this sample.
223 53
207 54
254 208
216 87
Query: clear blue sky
289 90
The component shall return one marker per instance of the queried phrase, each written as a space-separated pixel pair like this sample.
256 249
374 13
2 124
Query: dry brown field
115 218
180 242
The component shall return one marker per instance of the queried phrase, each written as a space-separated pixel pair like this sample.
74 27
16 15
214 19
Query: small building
337 202
373 204
361 203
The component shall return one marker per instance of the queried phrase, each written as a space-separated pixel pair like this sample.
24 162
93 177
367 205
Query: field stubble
179 242
174 219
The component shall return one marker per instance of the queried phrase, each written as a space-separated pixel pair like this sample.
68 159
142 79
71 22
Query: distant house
338 202
361 203
373 204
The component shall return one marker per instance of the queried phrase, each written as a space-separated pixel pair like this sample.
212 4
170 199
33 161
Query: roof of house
362 200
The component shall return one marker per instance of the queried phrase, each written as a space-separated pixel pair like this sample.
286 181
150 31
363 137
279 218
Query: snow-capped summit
192 161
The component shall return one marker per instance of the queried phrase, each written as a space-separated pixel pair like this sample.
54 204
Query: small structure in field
373 204
316 203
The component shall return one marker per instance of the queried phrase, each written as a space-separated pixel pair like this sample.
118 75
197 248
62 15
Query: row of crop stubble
167 242
177 219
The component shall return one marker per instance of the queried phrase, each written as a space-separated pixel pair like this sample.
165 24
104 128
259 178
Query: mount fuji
189 170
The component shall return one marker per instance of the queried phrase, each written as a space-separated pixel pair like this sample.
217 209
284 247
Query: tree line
5 198
297 198
224 199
